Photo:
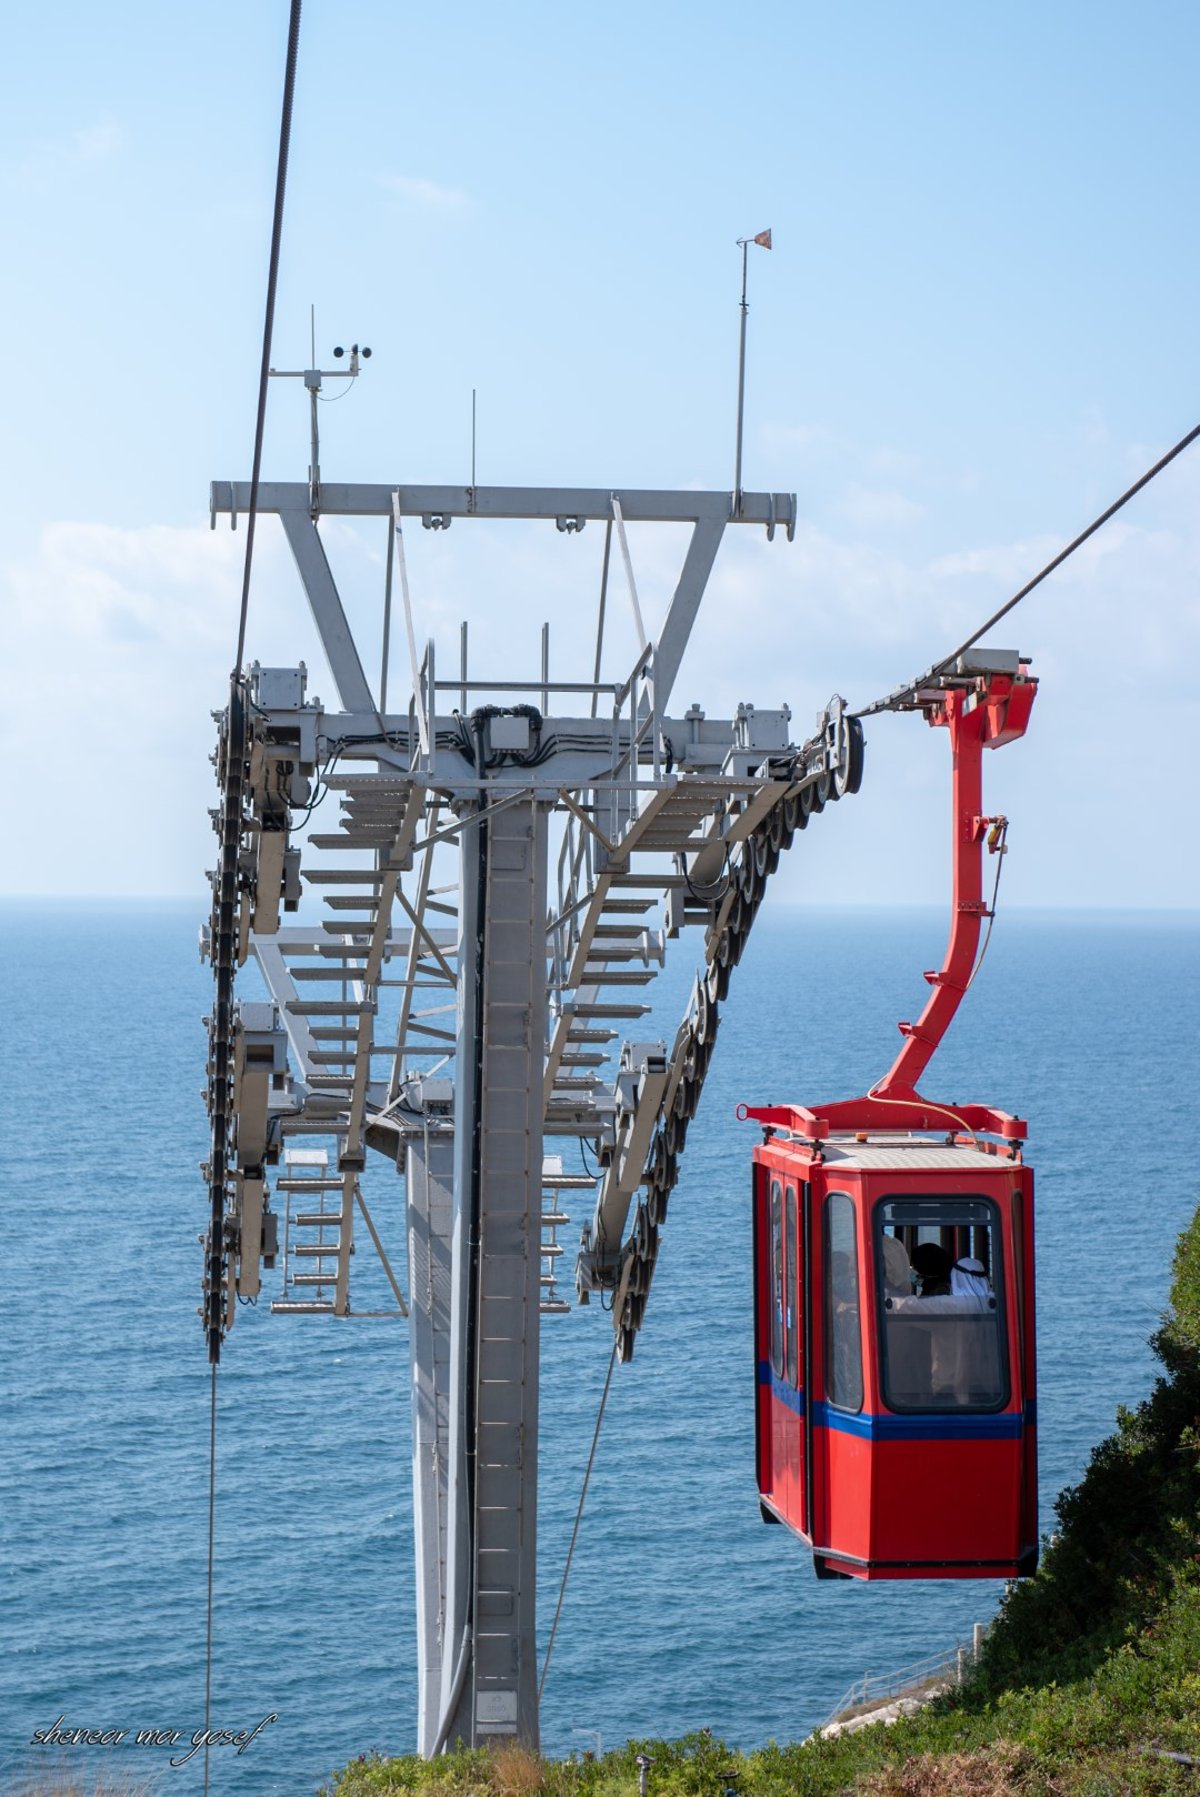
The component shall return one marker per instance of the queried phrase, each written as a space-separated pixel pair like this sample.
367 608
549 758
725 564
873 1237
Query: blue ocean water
683 1610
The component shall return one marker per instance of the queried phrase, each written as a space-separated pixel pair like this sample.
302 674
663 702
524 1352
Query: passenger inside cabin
844 1363
968 1280
897 1271
932 1262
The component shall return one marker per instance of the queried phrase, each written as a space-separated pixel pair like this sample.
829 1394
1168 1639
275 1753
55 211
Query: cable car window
843 1337
941 1296
777 1278
793 1308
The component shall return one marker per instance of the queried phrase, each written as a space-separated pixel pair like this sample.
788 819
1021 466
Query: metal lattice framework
496 897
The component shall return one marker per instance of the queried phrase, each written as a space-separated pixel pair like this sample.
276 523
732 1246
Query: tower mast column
489 1663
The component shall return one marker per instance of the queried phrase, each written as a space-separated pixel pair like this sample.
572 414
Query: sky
976 327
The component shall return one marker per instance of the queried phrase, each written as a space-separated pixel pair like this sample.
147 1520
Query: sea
682 1611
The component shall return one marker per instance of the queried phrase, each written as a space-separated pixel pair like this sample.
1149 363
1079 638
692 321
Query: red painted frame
994 710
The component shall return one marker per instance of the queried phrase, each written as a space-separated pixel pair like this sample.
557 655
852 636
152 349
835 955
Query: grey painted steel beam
326 605
430 1171
492 1535
685 603
371 499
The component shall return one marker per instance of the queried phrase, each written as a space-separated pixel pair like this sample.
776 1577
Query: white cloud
96 142
433 195
120 642
804 440
874 507
118 645
51 159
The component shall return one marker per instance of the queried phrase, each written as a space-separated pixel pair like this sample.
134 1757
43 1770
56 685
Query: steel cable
212 1520
224 957
562 1590
905 693
285 133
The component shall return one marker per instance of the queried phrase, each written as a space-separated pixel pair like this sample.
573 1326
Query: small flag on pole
764 238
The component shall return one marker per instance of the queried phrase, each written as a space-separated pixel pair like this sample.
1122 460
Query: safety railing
949 1667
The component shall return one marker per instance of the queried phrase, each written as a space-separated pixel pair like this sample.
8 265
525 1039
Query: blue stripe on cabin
1004 1425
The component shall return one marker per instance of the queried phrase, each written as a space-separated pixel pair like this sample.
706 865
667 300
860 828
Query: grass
67 1785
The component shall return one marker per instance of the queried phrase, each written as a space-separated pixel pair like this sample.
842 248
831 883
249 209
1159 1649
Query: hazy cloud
874 507
432 195
133 631
52 158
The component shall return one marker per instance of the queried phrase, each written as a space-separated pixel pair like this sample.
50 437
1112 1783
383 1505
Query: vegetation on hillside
1089 1684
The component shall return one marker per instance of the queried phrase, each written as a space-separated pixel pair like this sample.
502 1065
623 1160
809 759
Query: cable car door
784 1424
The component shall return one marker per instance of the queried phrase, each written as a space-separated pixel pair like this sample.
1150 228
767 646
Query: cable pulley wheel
793 816
854 760
700 1025
676 1134
658 1159
694 1088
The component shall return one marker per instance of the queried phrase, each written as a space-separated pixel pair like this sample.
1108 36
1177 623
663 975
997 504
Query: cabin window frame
791 1284
833 1394
775 1229
997 1275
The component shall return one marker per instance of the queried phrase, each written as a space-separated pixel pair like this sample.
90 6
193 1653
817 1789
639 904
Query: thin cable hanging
224 947
285 133
902 694
562 1590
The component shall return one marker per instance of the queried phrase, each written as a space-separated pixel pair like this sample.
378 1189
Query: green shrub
1126 1530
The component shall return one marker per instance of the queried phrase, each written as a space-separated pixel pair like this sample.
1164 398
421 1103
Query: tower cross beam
592 504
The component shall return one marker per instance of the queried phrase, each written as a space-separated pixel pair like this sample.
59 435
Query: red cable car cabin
893 1274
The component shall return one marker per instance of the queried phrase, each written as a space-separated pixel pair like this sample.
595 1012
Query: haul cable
562 1590
225 909
904 694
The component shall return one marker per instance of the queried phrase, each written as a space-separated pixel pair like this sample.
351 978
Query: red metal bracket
993 710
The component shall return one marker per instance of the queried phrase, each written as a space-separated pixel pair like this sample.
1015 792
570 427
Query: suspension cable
285 133
562 1590
904 694
212 1521
225 927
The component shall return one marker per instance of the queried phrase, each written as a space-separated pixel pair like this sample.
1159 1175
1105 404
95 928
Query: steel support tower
510 860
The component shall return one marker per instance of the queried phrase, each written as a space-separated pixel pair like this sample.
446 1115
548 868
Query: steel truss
496 898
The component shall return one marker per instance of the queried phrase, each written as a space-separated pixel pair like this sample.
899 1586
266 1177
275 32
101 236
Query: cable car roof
908 1155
